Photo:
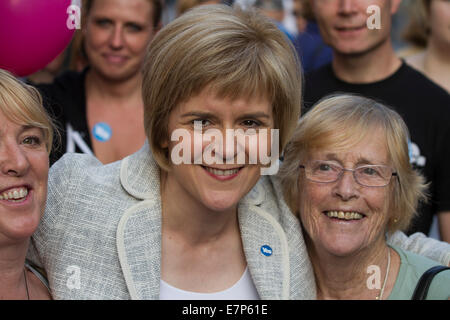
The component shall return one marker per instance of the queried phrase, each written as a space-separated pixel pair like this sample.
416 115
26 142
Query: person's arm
57 194
444 225
421 244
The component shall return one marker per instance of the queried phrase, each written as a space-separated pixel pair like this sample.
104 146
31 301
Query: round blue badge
102 131
266 250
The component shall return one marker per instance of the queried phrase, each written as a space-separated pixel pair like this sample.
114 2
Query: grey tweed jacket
100 237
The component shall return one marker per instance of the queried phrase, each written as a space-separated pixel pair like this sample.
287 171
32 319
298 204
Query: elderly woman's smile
344 215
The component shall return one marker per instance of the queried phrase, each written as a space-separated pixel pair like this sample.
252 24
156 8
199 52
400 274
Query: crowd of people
89 178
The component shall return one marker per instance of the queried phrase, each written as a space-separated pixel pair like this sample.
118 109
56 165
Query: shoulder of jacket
76 166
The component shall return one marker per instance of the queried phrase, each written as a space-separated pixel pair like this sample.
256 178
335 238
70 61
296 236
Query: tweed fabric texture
100 237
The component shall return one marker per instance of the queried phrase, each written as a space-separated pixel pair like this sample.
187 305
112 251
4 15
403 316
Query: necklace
386 277
26 282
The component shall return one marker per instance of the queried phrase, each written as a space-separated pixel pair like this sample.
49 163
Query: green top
411 269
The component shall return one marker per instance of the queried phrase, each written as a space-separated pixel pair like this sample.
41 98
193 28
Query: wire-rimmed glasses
322 171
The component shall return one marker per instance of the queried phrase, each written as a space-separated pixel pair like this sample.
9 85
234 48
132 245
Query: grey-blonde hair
340 121
22 104
239 54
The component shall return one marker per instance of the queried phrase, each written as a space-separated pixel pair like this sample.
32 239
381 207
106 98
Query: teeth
344 215
219 172
14 194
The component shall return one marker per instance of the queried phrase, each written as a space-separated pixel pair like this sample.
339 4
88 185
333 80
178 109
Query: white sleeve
421 244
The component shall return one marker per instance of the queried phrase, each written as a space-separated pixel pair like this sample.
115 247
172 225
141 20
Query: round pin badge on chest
102 131
266 250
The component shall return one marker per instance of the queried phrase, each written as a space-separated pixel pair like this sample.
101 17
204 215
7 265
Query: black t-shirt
425 108
65 100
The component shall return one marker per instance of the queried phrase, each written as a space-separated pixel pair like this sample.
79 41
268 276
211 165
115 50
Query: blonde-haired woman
100 108
348 177
26 135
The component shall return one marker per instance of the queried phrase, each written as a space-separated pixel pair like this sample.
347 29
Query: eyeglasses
368 175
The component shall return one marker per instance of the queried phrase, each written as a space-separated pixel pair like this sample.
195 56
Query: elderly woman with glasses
347 175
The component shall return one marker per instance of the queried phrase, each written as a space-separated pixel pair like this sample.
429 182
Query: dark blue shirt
313 52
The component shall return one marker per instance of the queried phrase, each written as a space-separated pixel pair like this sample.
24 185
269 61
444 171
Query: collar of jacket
139 234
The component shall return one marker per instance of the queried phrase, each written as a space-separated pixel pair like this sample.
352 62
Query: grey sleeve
39 240
421 244
46 233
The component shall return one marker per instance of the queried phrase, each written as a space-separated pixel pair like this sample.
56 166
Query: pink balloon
32 33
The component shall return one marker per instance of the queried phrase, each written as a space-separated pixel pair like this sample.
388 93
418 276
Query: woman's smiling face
362 212
219 184
23 178
116 35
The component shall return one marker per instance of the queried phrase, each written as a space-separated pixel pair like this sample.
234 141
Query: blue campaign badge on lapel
102 131
266 250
